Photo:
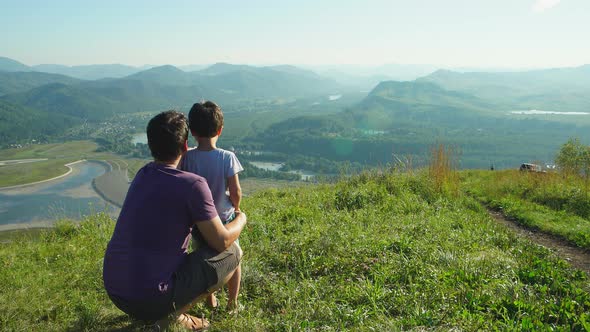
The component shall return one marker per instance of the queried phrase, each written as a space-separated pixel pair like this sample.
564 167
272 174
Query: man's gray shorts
202 272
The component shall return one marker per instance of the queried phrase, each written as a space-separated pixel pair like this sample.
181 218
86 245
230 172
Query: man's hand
219 237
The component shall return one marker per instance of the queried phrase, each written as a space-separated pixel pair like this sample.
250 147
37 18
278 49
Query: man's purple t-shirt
153 231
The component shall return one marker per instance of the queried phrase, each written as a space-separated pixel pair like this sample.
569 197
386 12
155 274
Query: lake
538 112
41 204
139 138
267 165
270 166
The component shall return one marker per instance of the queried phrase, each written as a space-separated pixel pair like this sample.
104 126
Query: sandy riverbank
83 190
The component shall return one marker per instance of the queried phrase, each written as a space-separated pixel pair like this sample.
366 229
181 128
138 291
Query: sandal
192 323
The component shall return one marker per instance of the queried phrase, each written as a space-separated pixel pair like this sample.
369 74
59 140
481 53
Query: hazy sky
497 33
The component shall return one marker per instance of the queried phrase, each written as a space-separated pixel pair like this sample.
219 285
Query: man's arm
218 236
235 191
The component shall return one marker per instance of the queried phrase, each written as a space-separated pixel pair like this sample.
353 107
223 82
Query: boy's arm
235 191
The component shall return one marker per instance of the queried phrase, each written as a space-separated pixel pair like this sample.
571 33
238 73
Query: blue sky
483 33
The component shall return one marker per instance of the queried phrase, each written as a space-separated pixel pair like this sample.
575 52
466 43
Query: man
147 271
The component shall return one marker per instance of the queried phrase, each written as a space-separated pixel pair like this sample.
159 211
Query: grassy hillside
545 201
381 252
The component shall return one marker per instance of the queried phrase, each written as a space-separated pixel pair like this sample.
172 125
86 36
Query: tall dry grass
442 169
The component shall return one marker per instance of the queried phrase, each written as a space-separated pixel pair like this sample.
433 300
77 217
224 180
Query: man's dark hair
205 119
167 133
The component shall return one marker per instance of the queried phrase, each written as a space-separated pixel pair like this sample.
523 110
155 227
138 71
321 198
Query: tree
572 158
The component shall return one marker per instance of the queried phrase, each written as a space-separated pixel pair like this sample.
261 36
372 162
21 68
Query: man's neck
207 143
171 163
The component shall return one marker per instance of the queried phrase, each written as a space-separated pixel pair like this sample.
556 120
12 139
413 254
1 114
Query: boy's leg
233 286
212 300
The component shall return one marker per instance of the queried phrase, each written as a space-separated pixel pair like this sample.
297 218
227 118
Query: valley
286 123
407 166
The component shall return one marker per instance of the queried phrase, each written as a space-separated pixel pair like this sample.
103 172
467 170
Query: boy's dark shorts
203 271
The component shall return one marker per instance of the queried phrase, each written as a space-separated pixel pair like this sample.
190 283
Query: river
39 205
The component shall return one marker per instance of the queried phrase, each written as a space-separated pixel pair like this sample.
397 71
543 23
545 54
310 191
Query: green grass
546 201
32 172
374 252
253 185
30 233
72 149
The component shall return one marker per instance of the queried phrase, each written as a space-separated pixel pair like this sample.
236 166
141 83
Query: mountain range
157 88
84 72
436 98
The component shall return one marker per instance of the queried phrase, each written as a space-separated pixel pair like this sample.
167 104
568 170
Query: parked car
531 167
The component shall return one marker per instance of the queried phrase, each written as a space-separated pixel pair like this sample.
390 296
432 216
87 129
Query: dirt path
577 257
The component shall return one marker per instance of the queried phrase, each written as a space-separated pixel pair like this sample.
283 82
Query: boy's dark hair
205 119
167 133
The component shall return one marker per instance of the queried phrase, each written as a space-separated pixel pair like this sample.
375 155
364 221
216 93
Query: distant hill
13 82
296 71
18 123
543 79
393 104
223 82
425 93
189 68
229 83
224 68
97 100
559 89
84 72
61 99
133 95
267 82
7 64
164 75
353 74
89 72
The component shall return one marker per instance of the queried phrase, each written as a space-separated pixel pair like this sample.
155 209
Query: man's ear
185 149
219 131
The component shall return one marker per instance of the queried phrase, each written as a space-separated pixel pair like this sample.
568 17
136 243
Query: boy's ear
219 131
185 149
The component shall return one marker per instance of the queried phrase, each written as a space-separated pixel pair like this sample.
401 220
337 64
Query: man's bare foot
192 323
233 307
212 301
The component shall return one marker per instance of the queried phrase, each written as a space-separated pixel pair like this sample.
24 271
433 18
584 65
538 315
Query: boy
220 168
